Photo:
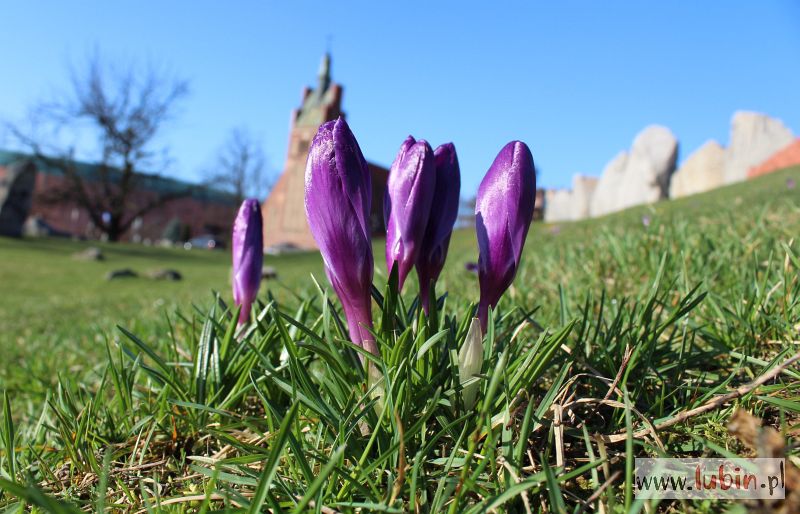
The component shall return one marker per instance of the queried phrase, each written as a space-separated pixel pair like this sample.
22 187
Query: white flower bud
470 361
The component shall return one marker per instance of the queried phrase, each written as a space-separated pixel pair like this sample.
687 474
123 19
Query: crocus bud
407 204
470 360
248 256
503 214
442 217
338 198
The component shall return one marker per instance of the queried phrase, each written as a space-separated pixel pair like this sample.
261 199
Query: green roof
148 181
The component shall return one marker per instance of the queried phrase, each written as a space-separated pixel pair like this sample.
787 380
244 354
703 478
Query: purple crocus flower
338 198
443 214
407 204
248 256
503 214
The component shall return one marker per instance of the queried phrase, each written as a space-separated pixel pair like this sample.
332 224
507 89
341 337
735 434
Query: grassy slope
56 310
728 244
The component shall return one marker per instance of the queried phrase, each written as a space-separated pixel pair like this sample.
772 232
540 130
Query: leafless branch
240 167
124 112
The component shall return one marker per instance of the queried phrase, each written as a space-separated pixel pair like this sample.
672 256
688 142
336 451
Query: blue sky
576 81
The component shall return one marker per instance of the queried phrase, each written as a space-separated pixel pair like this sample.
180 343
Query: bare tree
121 113
240 166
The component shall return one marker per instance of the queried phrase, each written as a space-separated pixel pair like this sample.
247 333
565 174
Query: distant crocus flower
646 220
407 204
248 256
790 183
442 217
503 214
338 198
472 267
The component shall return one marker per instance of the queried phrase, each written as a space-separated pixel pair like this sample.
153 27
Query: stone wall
646 173
754 138
702 171
639 176
557 205
583 189
570 204
783 158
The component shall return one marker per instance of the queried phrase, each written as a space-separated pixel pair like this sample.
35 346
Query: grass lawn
613 325
56 311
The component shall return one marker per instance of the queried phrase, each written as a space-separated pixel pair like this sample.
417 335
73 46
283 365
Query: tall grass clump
618 339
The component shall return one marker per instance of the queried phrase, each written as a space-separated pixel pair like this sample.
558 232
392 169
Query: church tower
284 211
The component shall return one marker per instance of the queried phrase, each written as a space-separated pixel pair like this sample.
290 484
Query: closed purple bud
338 198
407 204
248 256
442 217
503 214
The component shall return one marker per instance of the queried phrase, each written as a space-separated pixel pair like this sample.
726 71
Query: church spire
325 72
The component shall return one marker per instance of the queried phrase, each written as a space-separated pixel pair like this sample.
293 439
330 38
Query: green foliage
612 327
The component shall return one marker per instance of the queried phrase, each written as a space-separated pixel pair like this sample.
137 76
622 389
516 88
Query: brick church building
285 225
201 210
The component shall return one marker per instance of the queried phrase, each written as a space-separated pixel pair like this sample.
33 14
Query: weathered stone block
754 138
702 171
640 176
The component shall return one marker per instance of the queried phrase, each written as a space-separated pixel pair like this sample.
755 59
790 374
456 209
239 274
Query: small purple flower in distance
472 267
503 214
443 214
646 220
338 197
407 204
248 256
790 183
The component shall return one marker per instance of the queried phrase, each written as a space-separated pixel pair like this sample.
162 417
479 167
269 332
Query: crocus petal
503 214
407 204
248 256
338 195
443 215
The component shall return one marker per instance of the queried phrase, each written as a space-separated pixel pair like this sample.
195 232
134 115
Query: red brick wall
68 217
783 158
